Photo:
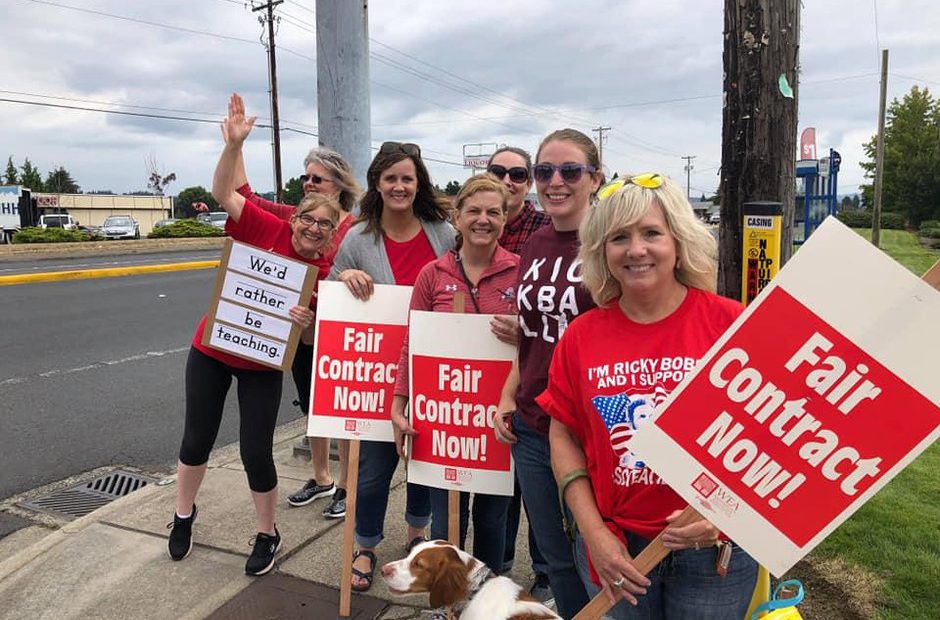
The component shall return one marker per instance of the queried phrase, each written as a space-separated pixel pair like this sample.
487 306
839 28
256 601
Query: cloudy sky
443 74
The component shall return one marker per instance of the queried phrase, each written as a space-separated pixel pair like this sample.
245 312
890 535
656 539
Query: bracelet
568 478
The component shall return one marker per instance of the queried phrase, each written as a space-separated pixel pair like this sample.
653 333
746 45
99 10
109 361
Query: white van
58 220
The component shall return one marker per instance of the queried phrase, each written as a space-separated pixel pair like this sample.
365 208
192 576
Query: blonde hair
478 183
313 201
696 248
340 170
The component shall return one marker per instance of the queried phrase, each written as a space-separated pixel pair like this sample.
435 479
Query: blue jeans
685 585
489 524
512 530
540 494
377 463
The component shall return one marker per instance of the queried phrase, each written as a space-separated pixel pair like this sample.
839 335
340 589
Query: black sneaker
542 591
261 559
310 492
336 509
181 536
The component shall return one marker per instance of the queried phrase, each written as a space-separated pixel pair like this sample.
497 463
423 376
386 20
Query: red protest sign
453 408
356 354
818 395
795 419
458 369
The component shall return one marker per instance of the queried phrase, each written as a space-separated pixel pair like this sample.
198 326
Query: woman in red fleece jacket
487 275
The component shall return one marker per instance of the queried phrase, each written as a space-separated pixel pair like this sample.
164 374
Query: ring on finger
618 583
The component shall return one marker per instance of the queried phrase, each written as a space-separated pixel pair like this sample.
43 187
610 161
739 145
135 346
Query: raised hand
236 126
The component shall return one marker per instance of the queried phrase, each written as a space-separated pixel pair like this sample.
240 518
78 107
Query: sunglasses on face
649 180
308 220
517 174
570 173
316 179
408 148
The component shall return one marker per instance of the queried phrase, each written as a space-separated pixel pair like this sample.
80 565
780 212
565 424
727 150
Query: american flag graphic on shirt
623 415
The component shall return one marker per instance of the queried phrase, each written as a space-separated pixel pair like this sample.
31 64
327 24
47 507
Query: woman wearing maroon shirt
209 373
567 173
402 227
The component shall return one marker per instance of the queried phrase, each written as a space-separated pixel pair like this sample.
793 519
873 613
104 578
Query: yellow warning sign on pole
761 251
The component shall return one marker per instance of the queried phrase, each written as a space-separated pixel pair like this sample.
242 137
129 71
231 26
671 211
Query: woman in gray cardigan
402 227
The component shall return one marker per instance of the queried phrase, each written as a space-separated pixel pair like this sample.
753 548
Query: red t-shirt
608 376
406 258
266 231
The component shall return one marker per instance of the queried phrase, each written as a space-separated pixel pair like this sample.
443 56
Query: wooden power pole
272 72
758 139
880 154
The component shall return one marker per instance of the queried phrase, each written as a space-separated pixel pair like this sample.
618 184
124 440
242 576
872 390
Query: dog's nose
387 569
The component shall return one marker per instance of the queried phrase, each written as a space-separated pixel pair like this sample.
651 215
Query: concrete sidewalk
113 564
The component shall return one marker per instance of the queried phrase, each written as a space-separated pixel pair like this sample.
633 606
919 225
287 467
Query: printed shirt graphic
549 297
608 377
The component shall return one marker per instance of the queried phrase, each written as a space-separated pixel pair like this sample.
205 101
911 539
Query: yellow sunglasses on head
649 180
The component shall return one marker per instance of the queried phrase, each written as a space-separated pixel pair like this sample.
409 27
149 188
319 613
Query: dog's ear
450 584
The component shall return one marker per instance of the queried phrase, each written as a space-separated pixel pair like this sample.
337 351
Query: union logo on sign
704 485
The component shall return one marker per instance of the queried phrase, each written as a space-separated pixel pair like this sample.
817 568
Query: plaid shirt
518 231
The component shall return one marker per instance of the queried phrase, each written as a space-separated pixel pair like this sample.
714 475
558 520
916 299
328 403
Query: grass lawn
896 535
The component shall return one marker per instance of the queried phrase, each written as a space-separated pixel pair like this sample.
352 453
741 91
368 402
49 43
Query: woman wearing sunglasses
513 167
402 227
326 172
209 372
567 173
649 264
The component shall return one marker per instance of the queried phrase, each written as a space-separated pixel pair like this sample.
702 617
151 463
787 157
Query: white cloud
557 63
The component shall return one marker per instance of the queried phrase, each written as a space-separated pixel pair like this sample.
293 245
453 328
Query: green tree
452 188
911 184
293 191
191 195
61 182
30 177
10 176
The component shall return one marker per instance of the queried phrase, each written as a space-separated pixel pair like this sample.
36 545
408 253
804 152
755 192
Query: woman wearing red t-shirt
649 265
325 172
209 372
402 227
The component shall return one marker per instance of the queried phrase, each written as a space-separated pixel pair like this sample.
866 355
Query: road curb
110 272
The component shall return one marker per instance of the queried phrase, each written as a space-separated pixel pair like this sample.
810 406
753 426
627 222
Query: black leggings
302 370
259 396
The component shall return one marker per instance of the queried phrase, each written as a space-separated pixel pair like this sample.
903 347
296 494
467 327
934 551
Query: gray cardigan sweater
363 251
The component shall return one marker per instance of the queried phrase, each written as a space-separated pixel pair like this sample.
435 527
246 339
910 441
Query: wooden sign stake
349 526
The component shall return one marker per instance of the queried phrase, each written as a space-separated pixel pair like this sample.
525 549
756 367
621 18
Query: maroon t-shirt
550 297
406 258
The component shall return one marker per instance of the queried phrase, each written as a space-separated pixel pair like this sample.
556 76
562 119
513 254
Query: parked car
120 227
166 222
58 220
91 231
215 218
714 218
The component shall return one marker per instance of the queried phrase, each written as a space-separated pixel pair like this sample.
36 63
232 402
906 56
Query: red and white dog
455 578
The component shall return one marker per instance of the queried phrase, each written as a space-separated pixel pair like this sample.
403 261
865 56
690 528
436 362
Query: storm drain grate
81 499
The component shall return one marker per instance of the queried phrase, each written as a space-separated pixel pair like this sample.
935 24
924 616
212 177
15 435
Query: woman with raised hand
209 372
567 173
402 227
486 274
650 267
325 172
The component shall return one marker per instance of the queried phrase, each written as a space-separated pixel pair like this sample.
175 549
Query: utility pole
758 137
272 79
343 96
688 176
600 143
880 154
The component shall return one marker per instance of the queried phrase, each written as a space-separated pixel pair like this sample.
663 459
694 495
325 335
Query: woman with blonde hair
649 265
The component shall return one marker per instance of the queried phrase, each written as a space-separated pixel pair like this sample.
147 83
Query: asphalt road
41 265
91 373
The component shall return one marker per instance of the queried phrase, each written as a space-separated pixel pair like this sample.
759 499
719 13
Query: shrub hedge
185 228
34 234
862 219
